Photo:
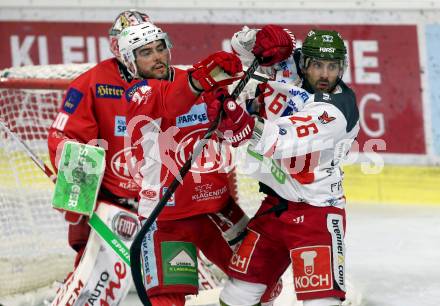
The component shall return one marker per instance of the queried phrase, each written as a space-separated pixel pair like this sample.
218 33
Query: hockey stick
135 249
260 78
52 176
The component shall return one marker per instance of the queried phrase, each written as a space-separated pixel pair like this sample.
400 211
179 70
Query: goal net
33 236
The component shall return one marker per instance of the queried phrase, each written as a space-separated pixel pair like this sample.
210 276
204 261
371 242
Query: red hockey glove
273 44
217 70
236 125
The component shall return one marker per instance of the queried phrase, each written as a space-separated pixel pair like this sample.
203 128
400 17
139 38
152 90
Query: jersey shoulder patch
130 91
345 102
72 99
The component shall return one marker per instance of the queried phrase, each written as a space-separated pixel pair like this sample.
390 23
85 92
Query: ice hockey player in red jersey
93 112
162 136
297 153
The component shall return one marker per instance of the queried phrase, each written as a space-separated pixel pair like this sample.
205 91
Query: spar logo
125 225
312 268
212 158
119 166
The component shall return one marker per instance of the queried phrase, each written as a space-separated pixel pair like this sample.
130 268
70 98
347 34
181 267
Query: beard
159 71
322 86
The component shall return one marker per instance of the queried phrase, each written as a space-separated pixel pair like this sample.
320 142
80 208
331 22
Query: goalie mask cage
34 250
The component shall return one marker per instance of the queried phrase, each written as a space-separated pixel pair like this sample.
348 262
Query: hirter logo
125 225
324 118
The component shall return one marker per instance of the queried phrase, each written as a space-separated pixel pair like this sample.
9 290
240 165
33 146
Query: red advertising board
384 66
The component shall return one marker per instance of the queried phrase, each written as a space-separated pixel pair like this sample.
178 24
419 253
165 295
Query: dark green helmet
326 45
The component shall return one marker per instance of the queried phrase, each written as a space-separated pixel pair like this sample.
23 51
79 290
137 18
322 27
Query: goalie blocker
80 172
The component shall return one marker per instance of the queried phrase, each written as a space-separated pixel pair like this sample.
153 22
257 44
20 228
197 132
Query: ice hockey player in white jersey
294 148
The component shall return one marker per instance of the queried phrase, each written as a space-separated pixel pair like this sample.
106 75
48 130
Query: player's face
322 74
152 60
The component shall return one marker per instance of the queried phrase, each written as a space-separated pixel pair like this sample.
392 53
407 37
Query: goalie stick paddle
29 152
135 249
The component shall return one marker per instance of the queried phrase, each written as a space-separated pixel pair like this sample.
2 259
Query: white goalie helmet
137 36
124 19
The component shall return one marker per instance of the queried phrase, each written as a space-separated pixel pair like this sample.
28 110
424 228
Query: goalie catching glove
236 125
217 70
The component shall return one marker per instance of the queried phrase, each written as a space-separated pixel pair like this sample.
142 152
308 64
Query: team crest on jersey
130 92
196 115
71 102
325 118
109 91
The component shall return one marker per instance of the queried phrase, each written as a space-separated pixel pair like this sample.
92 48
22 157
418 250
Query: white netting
33 236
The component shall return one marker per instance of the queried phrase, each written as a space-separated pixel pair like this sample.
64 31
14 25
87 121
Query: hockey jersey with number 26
305 137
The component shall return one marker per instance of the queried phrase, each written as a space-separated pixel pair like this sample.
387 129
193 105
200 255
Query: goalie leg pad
102 277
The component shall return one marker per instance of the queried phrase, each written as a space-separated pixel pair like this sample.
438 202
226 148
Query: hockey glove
273 44
217 70
237 125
